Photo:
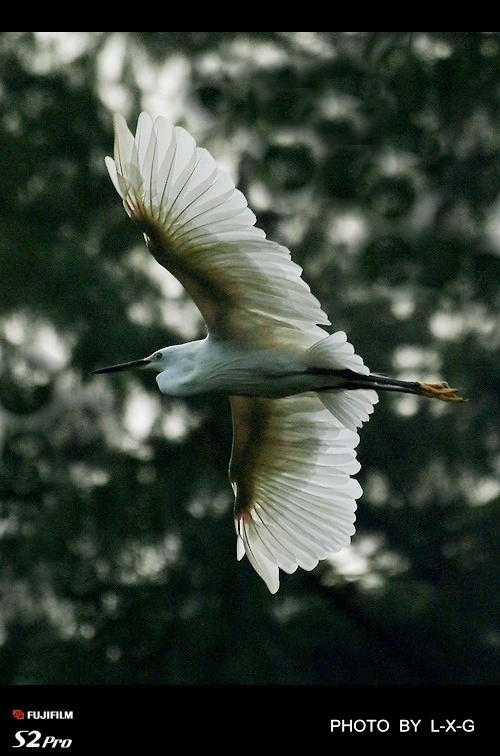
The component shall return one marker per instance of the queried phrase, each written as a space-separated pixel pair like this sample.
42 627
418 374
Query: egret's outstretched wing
291 468
198 226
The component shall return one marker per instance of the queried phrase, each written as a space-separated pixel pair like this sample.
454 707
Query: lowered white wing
291 470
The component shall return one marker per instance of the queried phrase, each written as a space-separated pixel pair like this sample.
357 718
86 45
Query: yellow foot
440 391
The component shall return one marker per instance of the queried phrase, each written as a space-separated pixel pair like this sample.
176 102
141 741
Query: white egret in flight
297 393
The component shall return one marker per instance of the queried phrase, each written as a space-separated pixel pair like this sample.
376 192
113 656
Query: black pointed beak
123 366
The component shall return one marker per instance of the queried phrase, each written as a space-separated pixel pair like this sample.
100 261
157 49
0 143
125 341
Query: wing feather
198 226
291 468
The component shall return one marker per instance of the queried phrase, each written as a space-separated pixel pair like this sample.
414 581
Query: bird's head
155 361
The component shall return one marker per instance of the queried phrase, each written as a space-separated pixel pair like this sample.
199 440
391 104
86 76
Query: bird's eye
158 356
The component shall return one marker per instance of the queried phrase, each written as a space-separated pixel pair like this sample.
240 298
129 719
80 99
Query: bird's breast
232 371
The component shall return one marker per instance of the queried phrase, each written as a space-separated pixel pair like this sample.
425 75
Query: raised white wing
291 470
198 226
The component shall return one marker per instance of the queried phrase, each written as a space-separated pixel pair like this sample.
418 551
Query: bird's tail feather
336 353
352 399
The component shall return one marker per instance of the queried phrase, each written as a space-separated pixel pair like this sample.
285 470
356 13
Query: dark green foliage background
425 609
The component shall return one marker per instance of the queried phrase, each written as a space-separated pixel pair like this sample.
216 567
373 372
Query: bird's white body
297 393
210 366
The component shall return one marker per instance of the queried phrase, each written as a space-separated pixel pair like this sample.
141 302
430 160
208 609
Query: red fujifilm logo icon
18 714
